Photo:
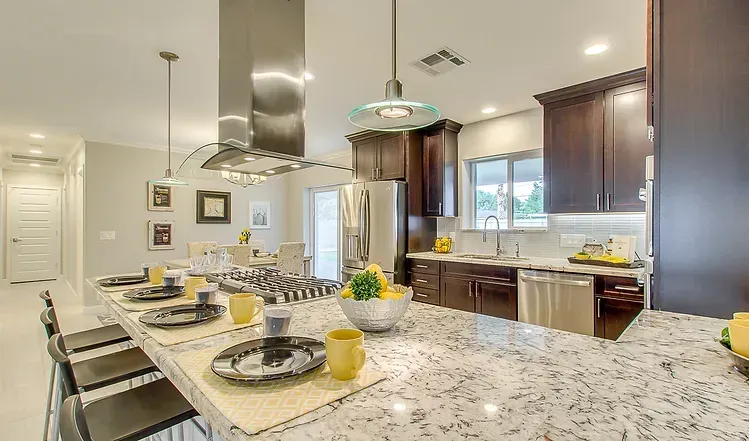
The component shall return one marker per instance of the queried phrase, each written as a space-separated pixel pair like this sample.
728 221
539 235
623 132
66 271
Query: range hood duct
261 88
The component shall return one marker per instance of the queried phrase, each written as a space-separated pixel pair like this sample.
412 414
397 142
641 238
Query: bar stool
126 416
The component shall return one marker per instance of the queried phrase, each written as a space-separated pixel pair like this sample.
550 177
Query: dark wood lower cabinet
497 299
613 315
458 293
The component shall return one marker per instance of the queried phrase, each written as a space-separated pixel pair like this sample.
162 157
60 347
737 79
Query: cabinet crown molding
441 124
597 85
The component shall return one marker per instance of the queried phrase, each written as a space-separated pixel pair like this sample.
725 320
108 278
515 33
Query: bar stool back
73 425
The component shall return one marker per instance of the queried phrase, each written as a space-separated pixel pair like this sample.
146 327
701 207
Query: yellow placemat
181 334
146 305
255 407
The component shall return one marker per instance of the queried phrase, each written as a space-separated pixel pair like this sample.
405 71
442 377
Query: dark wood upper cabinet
458 293
595 144
625 147
390 157
364 158
440 169
573 157
497 299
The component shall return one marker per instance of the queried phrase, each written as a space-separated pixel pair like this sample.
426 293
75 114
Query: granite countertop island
538 263
458 375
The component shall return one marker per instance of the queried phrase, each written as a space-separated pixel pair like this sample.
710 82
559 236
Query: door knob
15 239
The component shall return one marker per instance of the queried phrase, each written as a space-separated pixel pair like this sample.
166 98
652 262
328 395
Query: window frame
339 227
511 158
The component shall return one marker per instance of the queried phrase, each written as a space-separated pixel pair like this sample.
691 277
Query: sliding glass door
326 232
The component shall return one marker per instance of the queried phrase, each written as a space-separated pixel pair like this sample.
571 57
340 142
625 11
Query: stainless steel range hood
261 88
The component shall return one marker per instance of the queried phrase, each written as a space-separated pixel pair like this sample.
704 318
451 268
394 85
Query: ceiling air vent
439 62
24 159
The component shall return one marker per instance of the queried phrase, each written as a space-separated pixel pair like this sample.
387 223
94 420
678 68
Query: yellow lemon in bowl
374 268
388 295
347 293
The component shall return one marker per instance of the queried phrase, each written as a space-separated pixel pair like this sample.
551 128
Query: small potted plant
244 236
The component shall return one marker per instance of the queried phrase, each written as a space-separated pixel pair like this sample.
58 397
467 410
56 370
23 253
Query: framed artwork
213 207
260 215
160 235
160 197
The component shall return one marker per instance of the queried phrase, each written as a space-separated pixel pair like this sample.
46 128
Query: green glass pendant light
394 113
169 178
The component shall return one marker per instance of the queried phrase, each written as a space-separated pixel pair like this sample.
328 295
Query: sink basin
493 257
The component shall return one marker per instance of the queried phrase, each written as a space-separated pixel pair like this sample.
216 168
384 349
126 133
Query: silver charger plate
122 280
182 315
269 358
154 293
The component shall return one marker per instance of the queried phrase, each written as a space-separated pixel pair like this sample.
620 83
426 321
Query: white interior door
33 234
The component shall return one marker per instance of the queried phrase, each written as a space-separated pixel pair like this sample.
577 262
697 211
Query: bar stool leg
208 432
56 412
48 408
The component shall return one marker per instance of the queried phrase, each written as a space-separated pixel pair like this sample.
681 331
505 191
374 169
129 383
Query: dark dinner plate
154 293
269 358
122 280
182 315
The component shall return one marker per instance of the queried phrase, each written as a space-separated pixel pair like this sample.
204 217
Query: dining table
253 262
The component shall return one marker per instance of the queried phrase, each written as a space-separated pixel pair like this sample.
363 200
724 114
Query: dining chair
131 415
195 249
257 244
291 257
242 254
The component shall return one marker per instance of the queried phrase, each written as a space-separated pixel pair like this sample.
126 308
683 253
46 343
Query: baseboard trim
71 287
95 310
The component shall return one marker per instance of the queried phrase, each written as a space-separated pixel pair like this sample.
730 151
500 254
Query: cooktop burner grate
274 286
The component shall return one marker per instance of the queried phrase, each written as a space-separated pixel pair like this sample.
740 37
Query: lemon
374 268
387 295
347 293
391 289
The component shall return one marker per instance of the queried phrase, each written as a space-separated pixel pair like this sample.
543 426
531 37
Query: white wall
73 218
22 178
116 200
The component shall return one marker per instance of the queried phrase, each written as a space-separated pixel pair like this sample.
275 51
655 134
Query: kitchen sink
493 257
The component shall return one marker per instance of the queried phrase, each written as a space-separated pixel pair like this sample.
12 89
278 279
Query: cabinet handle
478 289
422 266
470 289
598 201
420 294
627 288
422 281
439 208
608 201
379 173
598 307
372 174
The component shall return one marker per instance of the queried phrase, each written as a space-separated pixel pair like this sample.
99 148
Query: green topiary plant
365 286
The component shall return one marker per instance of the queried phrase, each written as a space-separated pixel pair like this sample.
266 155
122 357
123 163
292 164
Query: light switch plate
572 240
106 235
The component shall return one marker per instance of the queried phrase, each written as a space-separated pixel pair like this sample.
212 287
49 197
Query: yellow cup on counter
738 330
741 315
345 353
156 274
244 306
191 283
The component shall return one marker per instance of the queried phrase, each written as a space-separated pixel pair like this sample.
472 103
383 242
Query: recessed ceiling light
309 76
270 172
34 164
489 110
247 158
35 151
36 135
226 165
296 166
596 49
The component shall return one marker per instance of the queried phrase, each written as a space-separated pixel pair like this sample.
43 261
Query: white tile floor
24 370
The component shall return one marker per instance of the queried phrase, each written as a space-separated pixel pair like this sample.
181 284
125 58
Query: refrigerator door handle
368 220
360 237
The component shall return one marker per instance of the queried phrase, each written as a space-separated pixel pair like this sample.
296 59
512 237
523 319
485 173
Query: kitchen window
325 204
516 177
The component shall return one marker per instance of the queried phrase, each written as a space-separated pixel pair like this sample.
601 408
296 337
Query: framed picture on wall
213 207
160 197
160 235
260 215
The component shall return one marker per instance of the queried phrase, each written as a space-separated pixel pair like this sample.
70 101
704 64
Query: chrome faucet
500 250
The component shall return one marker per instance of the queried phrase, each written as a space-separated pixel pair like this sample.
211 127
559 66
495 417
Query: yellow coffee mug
156 274
243 307
345 353
739 332
191 283
741 315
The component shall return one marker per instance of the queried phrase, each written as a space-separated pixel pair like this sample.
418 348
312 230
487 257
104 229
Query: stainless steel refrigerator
646 194
374 229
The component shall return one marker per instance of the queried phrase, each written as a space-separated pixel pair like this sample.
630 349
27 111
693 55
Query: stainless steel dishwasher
556 300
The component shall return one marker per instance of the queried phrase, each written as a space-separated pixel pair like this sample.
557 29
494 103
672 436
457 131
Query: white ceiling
91 67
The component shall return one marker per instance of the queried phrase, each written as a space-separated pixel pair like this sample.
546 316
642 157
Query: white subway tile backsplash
546 243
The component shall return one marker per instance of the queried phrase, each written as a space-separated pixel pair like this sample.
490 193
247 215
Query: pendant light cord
395 69
169 115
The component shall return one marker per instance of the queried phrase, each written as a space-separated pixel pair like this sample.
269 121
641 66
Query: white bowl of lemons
370 303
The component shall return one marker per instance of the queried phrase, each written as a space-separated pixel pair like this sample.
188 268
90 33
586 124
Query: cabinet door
433 168
391 154
573 155
497 300
458 293
626 146
614 315
365 160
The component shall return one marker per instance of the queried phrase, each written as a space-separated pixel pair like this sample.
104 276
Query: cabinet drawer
424 280
499 273
620 287
426 295
424 266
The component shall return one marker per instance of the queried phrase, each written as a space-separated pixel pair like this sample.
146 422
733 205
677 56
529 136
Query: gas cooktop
274 286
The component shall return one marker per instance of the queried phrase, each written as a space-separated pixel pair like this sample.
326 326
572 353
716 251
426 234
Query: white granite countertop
458 375
538 263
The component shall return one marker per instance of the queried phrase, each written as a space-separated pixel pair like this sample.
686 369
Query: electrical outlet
571 240
106 235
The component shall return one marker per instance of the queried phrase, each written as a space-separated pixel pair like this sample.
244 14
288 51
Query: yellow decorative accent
345 352
243 307
156 274
256 407
739 332
191 283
